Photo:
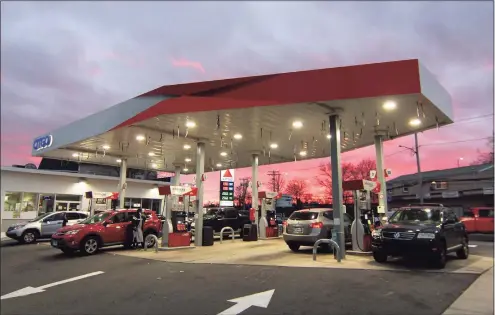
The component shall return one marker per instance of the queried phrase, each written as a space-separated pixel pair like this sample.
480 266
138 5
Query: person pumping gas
137 224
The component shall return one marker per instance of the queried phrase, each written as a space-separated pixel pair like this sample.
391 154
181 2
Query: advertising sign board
227 188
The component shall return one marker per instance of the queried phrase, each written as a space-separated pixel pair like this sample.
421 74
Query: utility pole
420 175
275 180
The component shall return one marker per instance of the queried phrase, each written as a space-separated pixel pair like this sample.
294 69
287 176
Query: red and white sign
269 195
178 190
371 186
372 174
227 175
105 195
387 172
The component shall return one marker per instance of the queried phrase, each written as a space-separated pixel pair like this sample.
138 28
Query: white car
43 226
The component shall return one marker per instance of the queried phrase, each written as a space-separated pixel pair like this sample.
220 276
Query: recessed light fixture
415 122
303 153
151 154
190 124
223 153
273 145
140 138
297 124
106 147
219 165
118 160
75 154
187 159
187 146
329 136
389 105
238 136
185 169
153 165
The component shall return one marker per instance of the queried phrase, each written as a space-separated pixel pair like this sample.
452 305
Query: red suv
107 228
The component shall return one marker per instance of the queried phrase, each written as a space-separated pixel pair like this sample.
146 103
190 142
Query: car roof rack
425 204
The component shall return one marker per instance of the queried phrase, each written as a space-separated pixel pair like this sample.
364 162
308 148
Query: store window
46 203
29 201
12 202
127 203
155 206
146 203
61 197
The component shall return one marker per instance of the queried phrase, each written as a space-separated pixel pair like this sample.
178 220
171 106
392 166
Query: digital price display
227 194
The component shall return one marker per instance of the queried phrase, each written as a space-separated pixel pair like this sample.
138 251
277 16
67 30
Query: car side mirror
105 223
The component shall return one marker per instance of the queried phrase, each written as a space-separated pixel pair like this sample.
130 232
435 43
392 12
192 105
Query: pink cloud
182 62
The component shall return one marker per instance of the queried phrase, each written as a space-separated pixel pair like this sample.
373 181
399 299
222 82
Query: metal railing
336 248
156 242
231 233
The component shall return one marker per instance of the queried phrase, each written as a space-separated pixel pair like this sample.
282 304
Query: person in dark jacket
137 222
64 219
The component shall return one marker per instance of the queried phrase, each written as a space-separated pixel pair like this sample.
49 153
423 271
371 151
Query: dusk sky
61 61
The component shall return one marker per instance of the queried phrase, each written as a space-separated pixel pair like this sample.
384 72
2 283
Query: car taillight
316 225
284 223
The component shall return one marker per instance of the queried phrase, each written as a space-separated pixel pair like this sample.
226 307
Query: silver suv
43 226
305 227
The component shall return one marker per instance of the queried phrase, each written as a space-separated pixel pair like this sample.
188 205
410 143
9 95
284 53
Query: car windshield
212 211
303 215
97 218
416 215
40 217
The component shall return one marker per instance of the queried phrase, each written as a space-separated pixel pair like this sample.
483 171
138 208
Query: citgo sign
42 142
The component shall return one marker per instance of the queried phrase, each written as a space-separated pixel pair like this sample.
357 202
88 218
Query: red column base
179 239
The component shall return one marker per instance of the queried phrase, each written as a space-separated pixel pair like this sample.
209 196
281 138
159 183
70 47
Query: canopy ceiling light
75 154
223 153
190 124
297 124
187 159
329 136
106 147
415 122
273 145
153 165
219 165
185 169
303 153
187 146
151 154
118 161
140 138
389 105
238 136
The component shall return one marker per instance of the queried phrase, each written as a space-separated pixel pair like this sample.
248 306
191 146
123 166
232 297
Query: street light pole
459 161
418 165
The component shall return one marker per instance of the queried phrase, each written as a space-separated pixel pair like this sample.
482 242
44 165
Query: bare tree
297 188
277 181
241 191
363 168
485 157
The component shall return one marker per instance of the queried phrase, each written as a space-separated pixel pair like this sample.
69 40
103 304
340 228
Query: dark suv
422 230
219 218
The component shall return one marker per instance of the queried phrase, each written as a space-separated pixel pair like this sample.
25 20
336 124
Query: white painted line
472 246
31 290
261 299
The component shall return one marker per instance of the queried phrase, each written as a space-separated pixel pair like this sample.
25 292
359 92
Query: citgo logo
42 142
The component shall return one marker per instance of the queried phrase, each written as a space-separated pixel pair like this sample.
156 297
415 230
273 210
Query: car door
485 220
72 218
231 219
114 231
448 226
51 224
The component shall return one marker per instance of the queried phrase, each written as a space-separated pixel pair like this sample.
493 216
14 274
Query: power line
457 141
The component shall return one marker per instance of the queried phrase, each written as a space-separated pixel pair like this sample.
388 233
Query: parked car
424 231
104 229
219 218
305 227
478 220
43 226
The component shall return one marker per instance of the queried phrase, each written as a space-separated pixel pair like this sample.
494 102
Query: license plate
298 230
54 243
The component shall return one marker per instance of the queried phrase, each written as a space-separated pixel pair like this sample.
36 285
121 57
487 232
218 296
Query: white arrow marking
472 246
30 290
261 299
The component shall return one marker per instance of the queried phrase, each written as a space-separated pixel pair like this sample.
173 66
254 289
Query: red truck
107 228
478 220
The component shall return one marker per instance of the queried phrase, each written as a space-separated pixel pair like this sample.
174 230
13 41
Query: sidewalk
477 299
3 236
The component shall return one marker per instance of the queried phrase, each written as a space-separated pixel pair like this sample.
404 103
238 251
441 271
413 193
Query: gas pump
101 201
267 222
361 227
175 229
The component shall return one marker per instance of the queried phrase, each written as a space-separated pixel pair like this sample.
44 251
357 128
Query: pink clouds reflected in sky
90 58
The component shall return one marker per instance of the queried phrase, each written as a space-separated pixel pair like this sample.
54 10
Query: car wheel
380 257
463 253
150 240
294 247
29 237
440 259
90 245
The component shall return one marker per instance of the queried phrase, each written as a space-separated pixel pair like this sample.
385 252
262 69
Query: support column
380 172
173 199
200 169
337 192
122 182
254 185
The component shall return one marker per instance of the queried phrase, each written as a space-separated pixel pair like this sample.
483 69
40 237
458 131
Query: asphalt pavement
138 286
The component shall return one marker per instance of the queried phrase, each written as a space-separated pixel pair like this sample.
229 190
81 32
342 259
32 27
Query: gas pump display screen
226 193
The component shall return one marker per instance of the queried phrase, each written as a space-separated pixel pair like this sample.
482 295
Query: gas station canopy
281 117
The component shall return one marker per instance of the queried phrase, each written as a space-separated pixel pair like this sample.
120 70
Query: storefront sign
105 195
177 190
488 191
41 143
450 194
227 188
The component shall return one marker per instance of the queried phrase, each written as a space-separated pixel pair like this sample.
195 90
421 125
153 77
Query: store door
67 206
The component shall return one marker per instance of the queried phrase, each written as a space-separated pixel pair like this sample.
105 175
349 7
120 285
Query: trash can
208 239
250 233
